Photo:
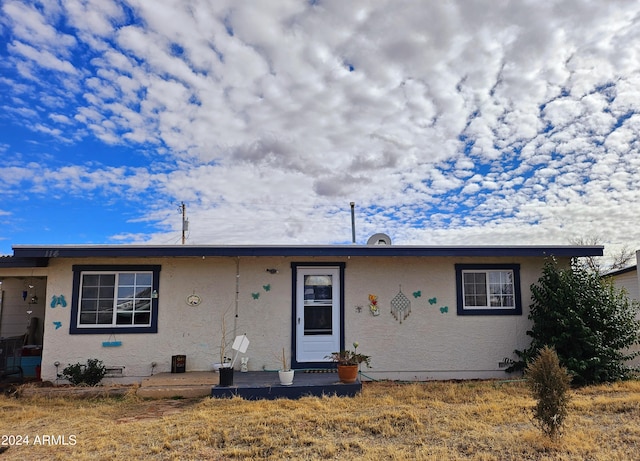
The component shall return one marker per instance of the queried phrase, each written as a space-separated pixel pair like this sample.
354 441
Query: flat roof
38 252
13 262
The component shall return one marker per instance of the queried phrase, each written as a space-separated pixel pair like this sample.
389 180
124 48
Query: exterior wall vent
114 372
379 239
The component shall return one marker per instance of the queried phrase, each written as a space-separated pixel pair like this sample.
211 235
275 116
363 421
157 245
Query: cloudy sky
447 122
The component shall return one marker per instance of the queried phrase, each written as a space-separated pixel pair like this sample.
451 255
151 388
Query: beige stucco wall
429 344
182 329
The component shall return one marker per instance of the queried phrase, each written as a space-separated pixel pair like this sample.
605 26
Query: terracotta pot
348 373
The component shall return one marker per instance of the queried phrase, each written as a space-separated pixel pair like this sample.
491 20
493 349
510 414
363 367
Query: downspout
237 300
1 306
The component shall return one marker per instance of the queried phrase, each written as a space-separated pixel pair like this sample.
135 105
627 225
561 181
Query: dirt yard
486 420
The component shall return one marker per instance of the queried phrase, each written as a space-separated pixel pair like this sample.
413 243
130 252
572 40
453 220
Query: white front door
318 313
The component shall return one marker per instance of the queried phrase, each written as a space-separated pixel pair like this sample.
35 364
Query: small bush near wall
549 383
89 374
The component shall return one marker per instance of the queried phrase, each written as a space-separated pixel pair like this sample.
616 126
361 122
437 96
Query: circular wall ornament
193 300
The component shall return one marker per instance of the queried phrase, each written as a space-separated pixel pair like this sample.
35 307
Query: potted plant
285 373
348 363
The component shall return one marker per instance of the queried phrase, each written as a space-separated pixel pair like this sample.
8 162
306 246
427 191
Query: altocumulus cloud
446 122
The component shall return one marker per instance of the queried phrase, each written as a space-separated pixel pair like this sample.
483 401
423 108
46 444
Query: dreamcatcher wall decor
400 306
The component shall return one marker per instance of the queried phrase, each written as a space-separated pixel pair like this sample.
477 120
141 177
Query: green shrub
89 375
549 383
587 320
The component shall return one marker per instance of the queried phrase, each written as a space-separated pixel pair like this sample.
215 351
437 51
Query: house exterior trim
75 329
14 262
514 268
38 254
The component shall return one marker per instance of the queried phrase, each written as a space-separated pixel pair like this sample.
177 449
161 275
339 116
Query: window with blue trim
115 299
488 289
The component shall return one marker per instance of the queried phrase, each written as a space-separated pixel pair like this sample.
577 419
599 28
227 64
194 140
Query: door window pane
317 320
318 301
318 288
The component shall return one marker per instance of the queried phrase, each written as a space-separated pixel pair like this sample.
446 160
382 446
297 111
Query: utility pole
185 222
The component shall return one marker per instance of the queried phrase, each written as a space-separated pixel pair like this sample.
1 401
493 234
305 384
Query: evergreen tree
549 383
586 319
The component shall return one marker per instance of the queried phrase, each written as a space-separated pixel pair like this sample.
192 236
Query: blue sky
447 123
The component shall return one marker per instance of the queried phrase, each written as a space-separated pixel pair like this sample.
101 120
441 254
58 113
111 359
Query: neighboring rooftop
621 271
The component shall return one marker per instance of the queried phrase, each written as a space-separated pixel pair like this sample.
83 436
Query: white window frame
118 304
513 308
118 299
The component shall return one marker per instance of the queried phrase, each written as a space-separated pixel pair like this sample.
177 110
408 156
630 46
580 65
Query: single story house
420 312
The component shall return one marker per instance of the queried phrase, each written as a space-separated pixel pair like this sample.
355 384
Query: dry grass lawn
423 421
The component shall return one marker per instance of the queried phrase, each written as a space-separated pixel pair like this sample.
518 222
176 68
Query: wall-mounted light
272 271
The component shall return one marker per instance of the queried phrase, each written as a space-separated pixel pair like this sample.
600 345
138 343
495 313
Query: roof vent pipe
353 223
